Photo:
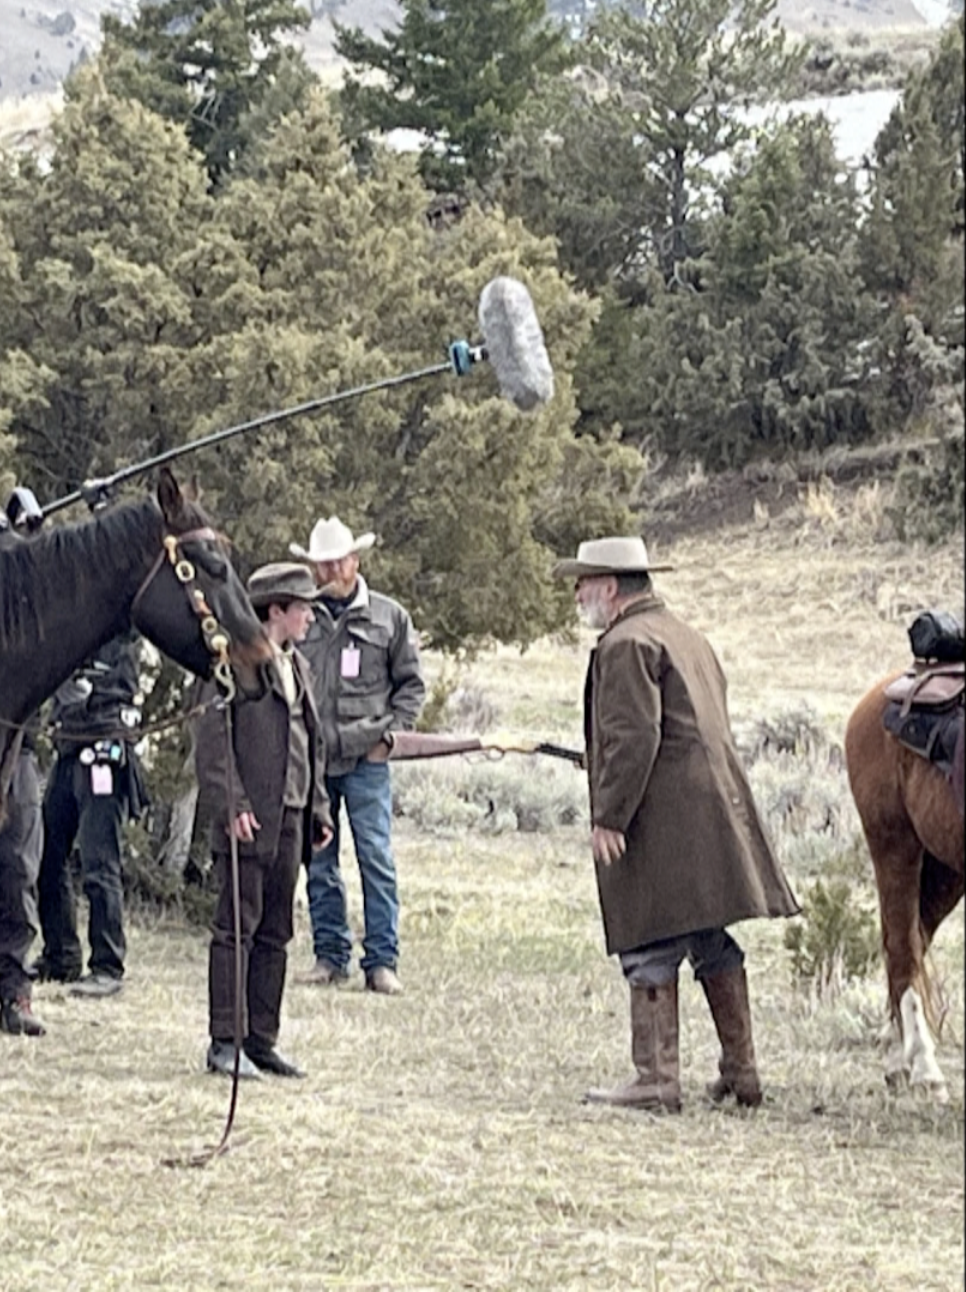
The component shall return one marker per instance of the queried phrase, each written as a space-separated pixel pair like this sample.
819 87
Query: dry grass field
439 1141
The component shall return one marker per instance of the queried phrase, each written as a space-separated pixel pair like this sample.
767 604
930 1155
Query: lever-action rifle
410 745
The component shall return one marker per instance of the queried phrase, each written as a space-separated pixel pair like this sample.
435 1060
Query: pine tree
210 66
917 203
913 242
663 95
759 347
456 71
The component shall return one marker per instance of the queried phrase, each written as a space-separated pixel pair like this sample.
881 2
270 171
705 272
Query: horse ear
170 497
192 490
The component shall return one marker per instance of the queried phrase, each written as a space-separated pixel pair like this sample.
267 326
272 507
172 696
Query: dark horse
66 592
913 825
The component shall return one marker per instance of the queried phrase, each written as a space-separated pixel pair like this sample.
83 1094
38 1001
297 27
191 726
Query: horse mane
35 573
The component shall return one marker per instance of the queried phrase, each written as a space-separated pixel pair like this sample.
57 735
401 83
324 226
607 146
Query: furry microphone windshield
514 345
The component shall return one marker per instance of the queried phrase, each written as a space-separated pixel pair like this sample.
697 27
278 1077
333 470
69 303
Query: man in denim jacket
368 683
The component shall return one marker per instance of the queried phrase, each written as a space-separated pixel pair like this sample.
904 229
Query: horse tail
935 1004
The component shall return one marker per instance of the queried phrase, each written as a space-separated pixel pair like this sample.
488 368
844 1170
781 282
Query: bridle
215 636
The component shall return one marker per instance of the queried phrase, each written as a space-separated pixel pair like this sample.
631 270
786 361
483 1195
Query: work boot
95 985
324 974
267 1059
17 1018
654 1050
727 995
383 980
221 1058
46 970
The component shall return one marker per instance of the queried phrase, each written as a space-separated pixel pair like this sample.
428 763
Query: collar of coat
639 606
359 602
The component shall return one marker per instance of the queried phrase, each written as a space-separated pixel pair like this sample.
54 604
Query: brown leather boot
727 995
654 1049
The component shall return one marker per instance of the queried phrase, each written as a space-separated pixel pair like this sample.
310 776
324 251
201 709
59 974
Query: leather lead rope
225 679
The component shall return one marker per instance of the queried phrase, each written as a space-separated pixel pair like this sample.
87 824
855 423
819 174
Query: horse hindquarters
915 838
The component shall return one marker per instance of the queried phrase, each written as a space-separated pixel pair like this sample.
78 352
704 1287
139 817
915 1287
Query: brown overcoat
260 730
664 770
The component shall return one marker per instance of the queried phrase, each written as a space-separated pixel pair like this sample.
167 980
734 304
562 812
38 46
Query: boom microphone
512 343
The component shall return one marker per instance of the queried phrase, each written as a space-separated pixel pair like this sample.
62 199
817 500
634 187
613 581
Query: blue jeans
367 794
710 951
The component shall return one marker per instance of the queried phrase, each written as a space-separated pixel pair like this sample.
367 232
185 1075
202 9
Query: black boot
267 1059
45 969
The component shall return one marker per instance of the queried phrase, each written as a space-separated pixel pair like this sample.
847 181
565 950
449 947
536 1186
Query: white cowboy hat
330 540
608 556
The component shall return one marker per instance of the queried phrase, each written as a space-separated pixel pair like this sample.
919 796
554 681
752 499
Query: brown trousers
266 897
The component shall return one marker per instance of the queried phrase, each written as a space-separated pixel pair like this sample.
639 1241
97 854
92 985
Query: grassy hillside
439 1141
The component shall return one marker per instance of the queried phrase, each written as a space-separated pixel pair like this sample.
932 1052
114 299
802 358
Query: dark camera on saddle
936 635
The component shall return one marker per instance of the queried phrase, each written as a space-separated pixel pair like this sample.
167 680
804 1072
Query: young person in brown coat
679 848
275 776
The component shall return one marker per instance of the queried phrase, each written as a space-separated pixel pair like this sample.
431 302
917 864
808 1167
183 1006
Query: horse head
192 605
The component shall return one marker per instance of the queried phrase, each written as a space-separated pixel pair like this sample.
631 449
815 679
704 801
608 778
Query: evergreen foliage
911 251
758 346
660 97
212 67
836 942
148 311
457 72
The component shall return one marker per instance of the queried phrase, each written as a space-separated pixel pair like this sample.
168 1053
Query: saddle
928 686
925 710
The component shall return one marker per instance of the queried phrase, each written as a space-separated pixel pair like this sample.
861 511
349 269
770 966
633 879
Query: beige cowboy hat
281 582
330 540
608 556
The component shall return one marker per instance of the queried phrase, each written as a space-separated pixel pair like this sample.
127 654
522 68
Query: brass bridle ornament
215 636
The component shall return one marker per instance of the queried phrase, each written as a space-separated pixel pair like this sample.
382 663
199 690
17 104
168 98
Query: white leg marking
918 1050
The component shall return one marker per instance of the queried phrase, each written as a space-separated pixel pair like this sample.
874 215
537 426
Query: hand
379 751
321 835
608 845
244 826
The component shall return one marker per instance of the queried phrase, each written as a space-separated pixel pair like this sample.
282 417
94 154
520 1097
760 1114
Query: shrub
444 797
930 496
837 941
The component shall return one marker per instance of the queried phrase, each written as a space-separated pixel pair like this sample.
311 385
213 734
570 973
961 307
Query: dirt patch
677 505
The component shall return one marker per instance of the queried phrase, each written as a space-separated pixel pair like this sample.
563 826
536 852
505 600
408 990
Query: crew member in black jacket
95 784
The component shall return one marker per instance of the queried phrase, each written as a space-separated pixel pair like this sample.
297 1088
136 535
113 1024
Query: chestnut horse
69 590
913 824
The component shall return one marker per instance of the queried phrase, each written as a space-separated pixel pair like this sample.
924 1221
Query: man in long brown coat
679 848
268 793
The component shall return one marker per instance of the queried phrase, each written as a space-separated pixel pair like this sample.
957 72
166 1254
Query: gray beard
594 616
